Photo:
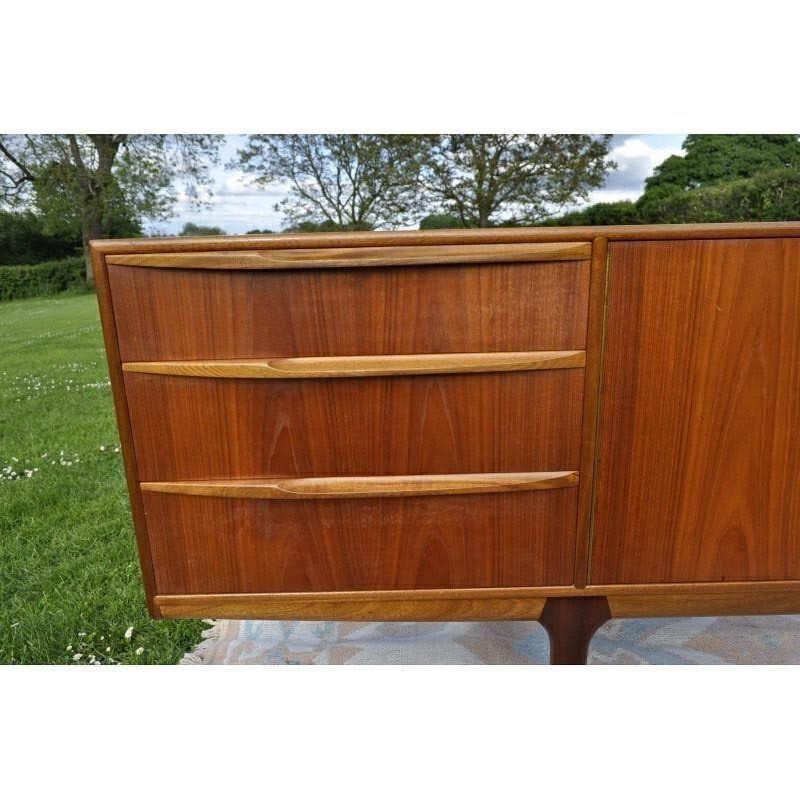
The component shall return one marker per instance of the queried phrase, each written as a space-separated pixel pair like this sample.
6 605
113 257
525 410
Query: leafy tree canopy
434 222
510 179
23 240
769 196
623 212
95 182
319 227
351 181
191 229
715 158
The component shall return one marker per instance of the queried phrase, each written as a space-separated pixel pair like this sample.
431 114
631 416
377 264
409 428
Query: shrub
623 212
766 197
49 277
23 240
434 222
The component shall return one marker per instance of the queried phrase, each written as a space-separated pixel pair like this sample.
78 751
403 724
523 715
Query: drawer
217 306
208 545
198 428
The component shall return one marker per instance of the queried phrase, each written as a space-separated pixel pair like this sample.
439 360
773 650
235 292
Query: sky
238 206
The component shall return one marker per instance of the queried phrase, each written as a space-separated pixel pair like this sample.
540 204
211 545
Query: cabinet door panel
698 473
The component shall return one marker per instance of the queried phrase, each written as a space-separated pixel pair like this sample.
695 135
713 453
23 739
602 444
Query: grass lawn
69 573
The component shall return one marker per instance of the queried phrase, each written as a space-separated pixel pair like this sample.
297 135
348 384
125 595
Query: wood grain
732 230
338 257
700 414
125 432
711 591
214 429
208 545
570 623
591 393
173 315
476 604
370 486
412 608
364 366
692 604
697 505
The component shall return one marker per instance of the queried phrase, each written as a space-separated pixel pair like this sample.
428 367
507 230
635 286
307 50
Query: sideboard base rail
571 616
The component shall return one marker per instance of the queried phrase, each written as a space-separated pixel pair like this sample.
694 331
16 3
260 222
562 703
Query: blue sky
238 207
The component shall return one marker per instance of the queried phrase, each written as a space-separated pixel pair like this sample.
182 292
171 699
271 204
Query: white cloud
636 158
241 185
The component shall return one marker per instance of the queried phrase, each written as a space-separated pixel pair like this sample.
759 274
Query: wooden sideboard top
280 241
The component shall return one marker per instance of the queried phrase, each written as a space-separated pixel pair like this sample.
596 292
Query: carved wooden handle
364 366
313 258
389 486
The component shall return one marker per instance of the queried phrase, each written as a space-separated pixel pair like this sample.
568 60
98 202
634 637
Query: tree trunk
92 229
94 188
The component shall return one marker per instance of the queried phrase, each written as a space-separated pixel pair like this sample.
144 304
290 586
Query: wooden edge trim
411 610
109 327
282 241
364 366
591 407
477 604
338 257
693 604
389 486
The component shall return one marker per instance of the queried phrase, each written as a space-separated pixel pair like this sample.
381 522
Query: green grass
69 573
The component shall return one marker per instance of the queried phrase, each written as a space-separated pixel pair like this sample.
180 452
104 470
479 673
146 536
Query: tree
351 181
715 158
317 227
510 179
190 229
435 222
711 160
622 212
23 240
772 195
96 180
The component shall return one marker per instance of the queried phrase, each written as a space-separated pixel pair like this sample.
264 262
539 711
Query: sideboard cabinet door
698 474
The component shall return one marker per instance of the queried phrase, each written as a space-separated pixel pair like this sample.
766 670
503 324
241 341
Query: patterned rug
701 640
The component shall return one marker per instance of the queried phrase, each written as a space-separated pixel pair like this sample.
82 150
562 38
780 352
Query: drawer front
173 314
190 428
208 545
430 399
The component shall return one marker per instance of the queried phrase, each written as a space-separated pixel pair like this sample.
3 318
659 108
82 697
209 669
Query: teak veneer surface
669 600
187 428
360 257
172 315
681 414
493 236
699 450
217 545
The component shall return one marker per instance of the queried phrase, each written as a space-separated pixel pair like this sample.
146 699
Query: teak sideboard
562 424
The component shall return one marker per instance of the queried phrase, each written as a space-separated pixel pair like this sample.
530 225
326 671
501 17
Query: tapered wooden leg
570 623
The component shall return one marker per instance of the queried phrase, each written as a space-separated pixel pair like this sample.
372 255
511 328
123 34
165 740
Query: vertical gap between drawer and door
594 345
606 286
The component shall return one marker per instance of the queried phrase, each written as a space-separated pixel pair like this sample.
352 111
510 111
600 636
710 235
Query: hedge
49 277
770 196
